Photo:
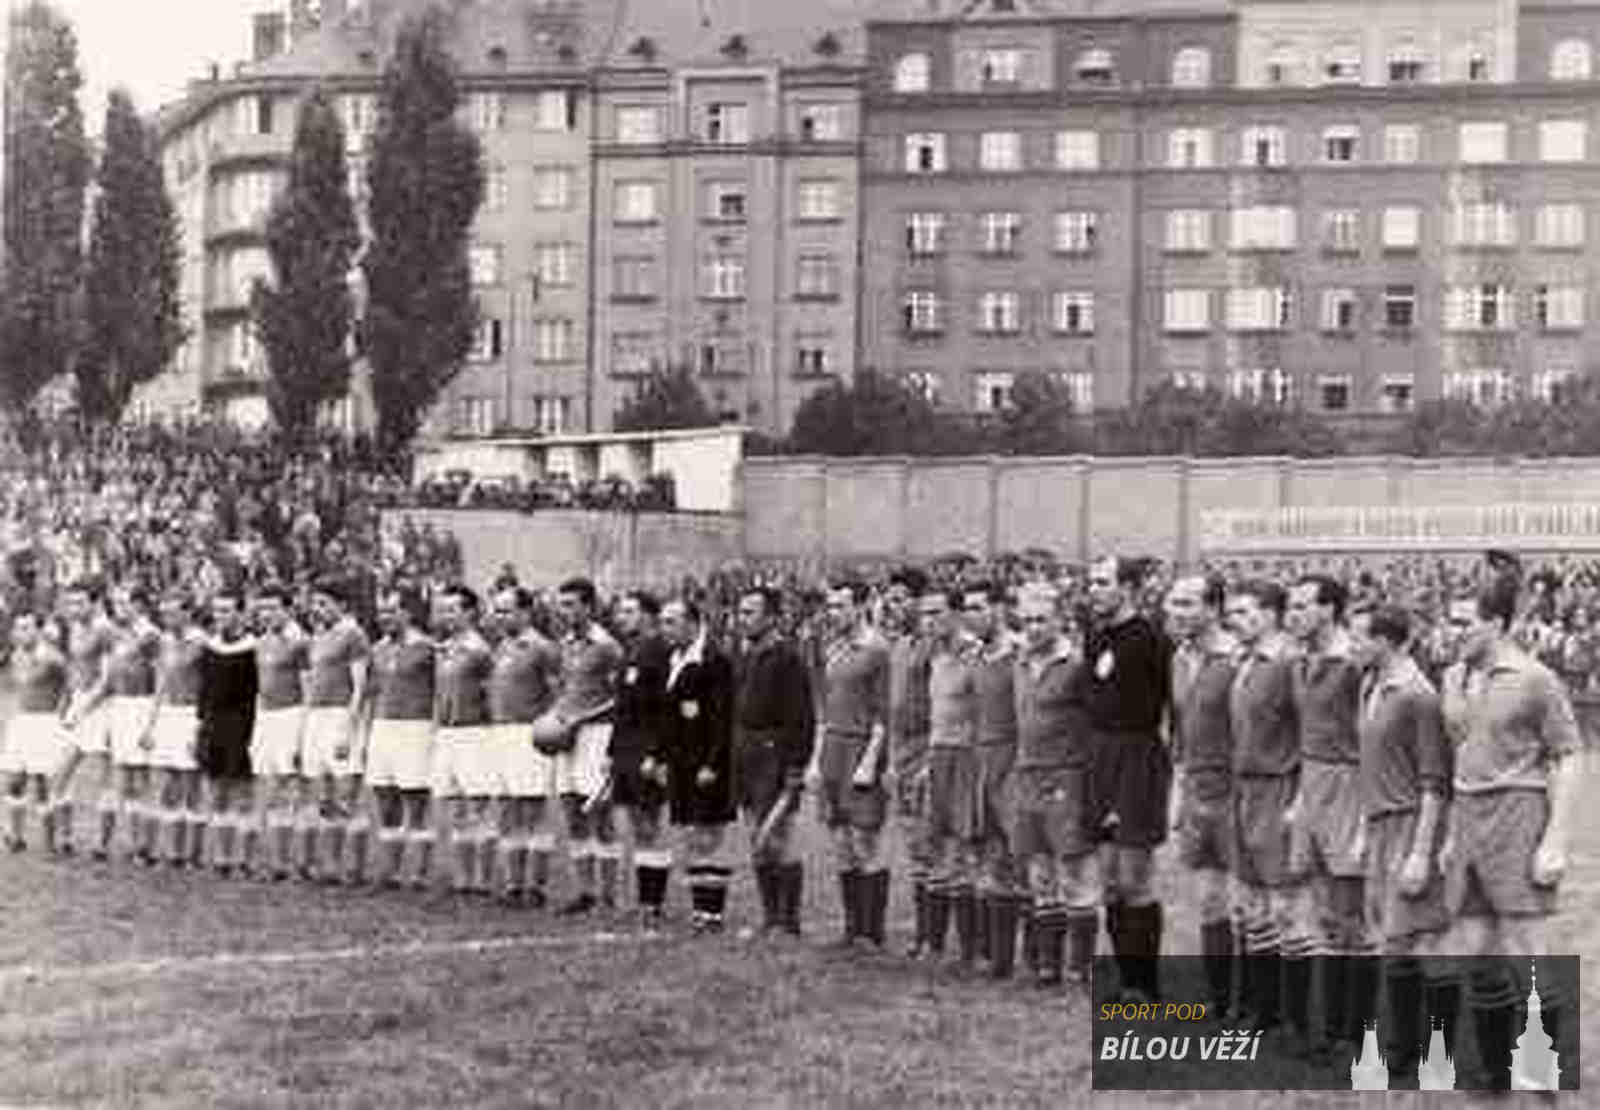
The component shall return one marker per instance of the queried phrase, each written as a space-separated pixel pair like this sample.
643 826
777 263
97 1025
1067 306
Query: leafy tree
874 415
132 315
1169 420
46 175
427 183
666 399
304 317
1039 420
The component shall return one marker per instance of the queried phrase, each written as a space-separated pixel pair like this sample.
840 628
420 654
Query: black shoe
580 906
534 898
16 844
100 855
223 870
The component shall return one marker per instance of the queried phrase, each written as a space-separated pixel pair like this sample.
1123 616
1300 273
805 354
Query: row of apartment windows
1488 306
1405 63
723 276
1264 228
554 339
1267 146
639 202
727 123
636 354
992 389
480 416
555 265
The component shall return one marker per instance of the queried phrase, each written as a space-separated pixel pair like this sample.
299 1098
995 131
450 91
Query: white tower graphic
1369 1072
1534 1066
1438 1070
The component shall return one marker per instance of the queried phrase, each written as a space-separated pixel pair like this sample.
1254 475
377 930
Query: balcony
231 152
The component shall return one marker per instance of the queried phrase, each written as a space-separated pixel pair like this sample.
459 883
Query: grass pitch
120 987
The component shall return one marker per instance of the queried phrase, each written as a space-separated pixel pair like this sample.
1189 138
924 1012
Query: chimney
270 36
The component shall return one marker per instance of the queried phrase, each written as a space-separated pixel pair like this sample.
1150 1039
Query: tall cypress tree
304 317
46 176
427 182
133 320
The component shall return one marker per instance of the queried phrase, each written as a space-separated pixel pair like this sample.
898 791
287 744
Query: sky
154 48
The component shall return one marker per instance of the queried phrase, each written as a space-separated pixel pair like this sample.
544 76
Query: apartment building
1353 206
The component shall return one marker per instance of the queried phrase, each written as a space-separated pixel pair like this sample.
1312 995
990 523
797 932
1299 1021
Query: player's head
458 610
576 601
1194 605
272 608
760 609
1477 620
1039 610
1316 603
983 608
398 612
847 599
227 614
1378 633
899 600
330 601
637 612
176 611
25 629
939 613
513 610
1114 584
1255 610
680 622
78 601
129 605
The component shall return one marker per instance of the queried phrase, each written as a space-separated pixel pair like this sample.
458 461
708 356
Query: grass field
126 988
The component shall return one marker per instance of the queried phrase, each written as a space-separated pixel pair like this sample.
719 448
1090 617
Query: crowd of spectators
461 489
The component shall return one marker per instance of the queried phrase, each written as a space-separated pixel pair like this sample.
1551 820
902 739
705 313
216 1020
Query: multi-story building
1350 204
725 162
524 71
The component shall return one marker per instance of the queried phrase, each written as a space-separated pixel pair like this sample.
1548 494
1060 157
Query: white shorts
326 727
400 755
581 770
275 746
128 716
36 744
464 763
93 734
176 733
522 770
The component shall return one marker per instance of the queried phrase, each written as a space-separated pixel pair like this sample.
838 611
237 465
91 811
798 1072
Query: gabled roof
690 32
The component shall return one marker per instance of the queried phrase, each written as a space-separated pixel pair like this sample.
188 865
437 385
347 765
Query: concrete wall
862 509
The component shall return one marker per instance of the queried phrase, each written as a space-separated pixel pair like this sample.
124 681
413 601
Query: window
553 110
1191 68
1333 392
1400 307
1187 310
925 233
924 383
1479 387
1402 144
724 277
1339 310
488 343
819 200
1079 386
552 187
1283 67
1402 228
1478 66
359 112
822 123
1571 60
1262 146
1550 386
1261 387
1077 150
1559 225
264 114
1000 67
1077 232
552 340
484 264
1484 225
816 275
1072 313
1341 230
1406 66
1190 381
727 124
1263 227
475 416
1188 229
992 392
636 202
1343 65
635 276
813 357
1559 307
727 201
1095 67
925 153
1002 232
1341 144
723 357
638 123
487 111
921 312
999 313
1565 140
550 415
1483 143
554 264
1486 307
1398 394
1189 148
633 354
911 74
1000 151
1262 308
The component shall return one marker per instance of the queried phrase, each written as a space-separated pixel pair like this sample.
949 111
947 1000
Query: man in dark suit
697 735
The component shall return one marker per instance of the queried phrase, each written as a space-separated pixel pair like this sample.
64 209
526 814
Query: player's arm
800 717
866 773
1562 742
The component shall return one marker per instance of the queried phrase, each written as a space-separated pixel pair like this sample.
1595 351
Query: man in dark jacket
697 746
638 770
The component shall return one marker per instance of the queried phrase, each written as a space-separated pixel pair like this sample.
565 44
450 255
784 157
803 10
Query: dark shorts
758 774
630 788
1205 833
953 794
1490 872
1131 788
911 791
1327 838
1393 914
1051 811
994 794
842 803
1260 854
